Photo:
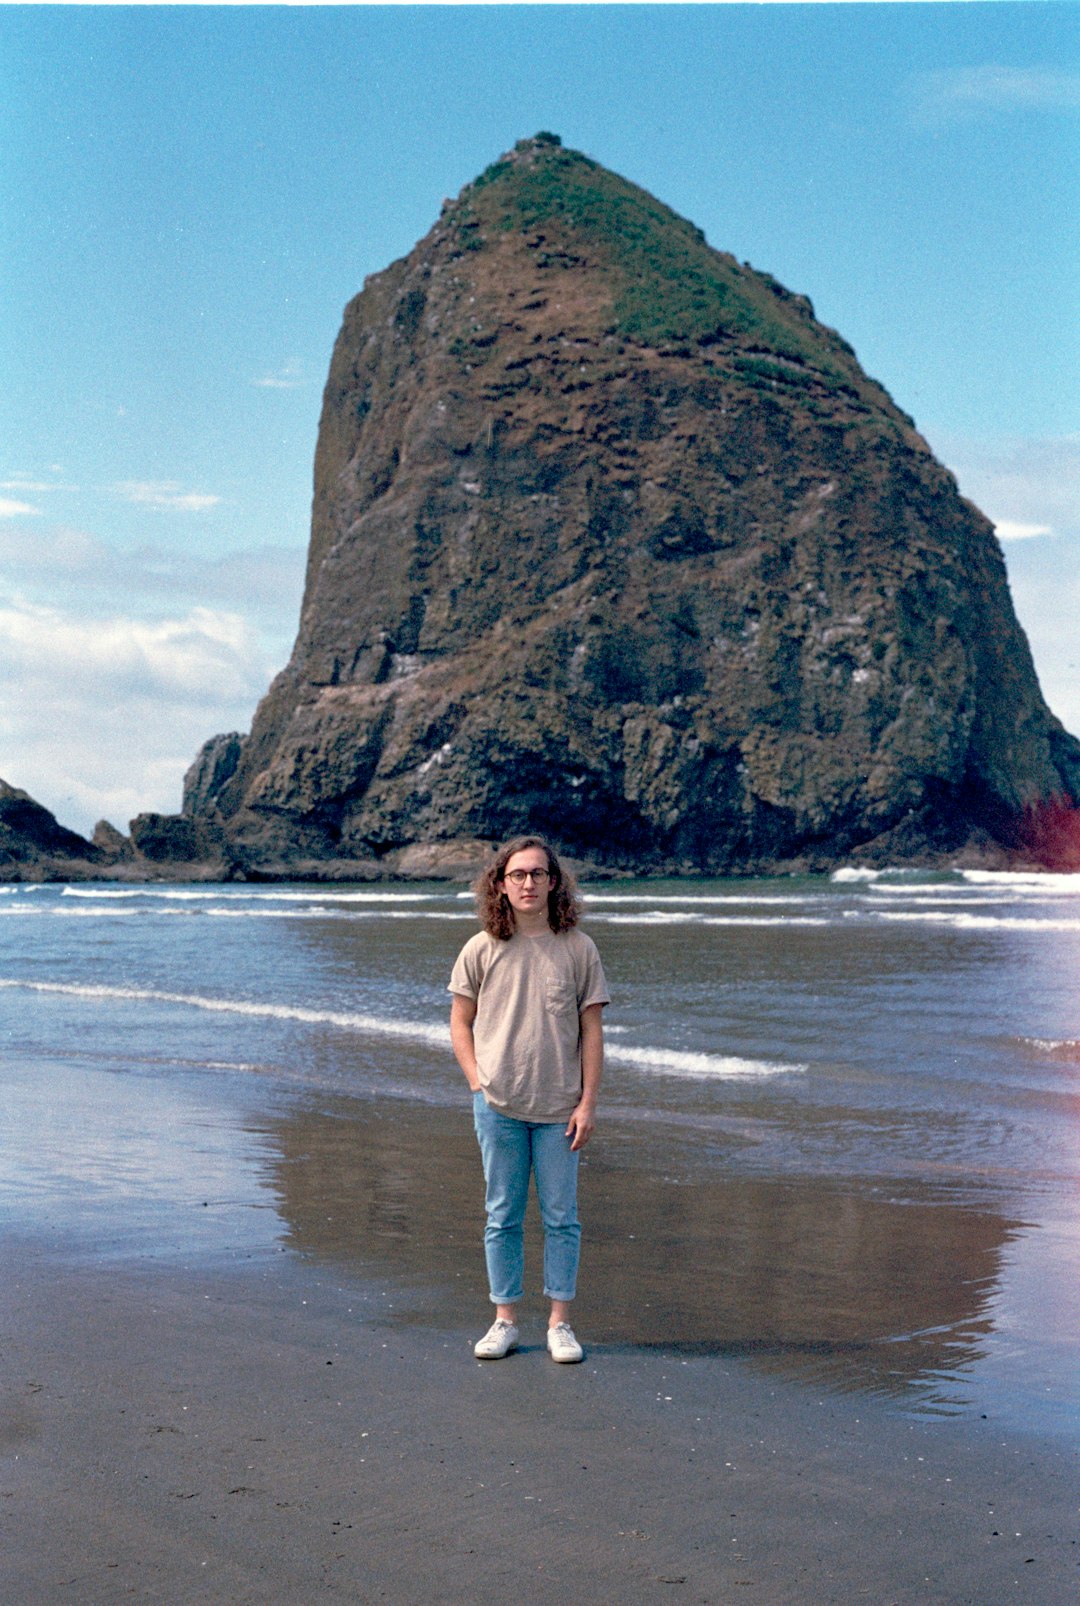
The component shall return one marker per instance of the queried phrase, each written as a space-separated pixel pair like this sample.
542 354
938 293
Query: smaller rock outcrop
174 839
113 845
215 765
34 846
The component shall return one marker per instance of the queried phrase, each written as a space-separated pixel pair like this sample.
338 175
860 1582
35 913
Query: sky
190 195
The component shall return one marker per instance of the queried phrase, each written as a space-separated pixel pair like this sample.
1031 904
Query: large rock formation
613 540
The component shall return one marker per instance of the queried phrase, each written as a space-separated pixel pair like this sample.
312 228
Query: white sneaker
562 1345
498 1341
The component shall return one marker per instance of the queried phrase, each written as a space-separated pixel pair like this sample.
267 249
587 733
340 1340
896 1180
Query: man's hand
581 1124
462 1015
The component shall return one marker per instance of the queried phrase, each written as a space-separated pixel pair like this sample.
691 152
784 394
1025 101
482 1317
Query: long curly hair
493 906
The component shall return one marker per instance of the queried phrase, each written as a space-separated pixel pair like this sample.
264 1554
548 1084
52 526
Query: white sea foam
647 917
328 912
415 1031
136 892
1061 1047
954 897
1047 881
970 922
849 874
707 1067
670 1062
246 894
315 911
664 917
693 899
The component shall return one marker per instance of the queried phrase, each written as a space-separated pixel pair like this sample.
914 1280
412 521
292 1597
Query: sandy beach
276 1427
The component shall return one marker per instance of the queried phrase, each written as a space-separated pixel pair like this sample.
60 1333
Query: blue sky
191 195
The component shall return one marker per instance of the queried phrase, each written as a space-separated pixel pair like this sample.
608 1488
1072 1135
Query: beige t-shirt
529 994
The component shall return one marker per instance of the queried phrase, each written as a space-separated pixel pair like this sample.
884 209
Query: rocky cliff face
613 540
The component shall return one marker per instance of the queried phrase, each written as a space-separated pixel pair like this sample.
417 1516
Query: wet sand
235 1367
276 1427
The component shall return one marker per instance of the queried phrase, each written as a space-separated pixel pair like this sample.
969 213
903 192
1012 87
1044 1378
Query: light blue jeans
510 1150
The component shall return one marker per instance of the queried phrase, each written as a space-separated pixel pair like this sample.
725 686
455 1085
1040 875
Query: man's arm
583 1120
462 1015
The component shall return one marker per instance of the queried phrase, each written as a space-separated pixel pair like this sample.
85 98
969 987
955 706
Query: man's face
526 881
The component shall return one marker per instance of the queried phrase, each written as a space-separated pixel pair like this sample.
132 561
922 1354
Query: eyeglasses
519 877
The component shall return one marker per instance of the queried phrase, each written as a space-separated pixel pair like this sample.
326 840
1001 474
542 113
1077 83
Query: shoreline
265 1430
347 872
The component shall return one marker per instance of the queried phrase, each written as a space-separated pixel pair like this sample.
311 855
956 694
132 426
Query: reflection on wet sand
859 1286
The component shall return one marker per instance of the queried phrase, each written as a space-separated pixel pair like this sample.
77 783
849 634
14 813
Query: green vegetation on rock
670 284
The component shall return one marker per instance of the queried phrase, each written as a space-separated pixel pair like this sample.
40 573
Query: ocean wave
962 921
1049 881
958 897
665 917
700 1067
81 913
314 912
1065 1048
321 912
694 898
669 1062
259 895
895 874
415 1031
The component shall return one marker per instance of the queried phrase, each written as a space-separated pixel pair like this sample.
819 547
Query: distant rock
174 839
612 539
33 845
113 846
214 766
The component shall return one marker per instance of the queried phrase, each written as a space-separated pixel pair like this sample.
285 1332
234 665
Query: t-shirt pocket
561 996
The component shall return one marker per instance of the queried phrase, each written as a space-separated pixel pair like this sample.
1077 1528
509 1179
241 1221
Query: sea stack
611 539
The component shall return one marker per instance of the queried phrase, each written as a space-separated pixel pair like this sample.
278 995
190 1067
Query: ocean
839 1135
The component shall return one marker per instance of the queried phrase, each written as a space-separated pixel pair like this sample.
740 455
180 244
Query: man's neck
532 922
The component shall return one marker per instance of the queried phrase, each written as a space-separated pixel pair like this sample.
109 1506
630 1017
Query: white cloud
1046 595
966 92
287 378
204 654
14 510
1031 488
1008 530
1026 486
52 550
165 494
56 563
102 716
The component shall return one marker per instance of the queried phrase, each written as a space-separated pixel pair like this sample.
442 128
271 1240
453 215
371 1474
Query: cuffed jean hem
511 1151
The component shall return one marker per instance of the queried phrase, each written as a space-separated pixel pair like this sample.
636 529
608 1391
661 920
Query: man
526 1028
